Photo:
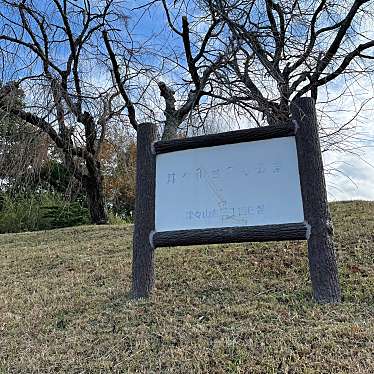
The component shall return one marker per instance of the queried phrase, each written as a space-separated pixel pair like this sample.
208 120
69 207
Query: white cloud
350 174
353 178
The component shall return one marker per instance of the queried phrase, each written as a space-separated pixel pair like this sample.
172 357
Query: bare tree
51 49
57 52
184 69
292 48
251 58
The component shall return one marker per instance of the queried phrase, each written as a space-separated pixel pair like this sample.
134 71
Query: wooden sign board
229 187
259 184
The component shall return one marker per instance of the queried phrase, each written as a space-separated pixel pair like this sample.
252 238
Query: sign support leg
322 262
143 252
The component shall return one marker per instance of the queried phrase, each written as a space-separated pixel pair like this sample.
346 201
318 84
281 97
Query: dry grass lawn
65 305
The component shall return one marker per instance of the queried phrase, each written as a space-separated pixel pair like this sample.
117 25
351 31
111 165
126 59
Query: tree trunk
322 262
93 185
143 251
171 127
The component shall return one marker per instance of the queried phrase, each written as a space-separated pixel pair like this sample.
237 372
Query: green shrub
116 219
17 215
39 212
72 214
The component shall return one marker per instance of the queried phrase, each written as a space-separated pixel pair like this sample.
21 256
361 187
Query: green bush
72 214
39 212
116 219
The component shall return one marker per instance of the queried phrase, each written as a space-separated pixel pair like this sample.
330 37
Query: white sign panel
244 184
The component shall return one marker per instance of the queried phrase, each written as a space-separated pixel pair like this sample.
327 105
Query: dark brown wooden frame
292 231
316 228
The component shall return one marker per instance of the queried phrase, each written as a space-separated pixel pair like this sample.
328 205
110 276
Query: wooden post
143 252
322 263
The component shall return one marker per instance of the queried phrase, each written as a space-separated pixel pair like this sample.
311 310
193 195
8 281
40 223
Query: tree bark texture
93 185
230 137
322 262
170 128
291 231
143 252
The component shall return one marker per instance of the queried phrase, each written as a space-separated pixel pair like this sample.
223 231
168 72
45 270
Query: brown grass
65 307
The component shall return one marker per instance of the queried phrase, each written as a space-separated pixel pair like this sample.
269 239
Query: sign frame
286 231
316 227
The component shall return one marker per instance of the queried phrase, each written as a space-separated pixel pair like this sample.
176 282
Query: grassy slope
64 305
